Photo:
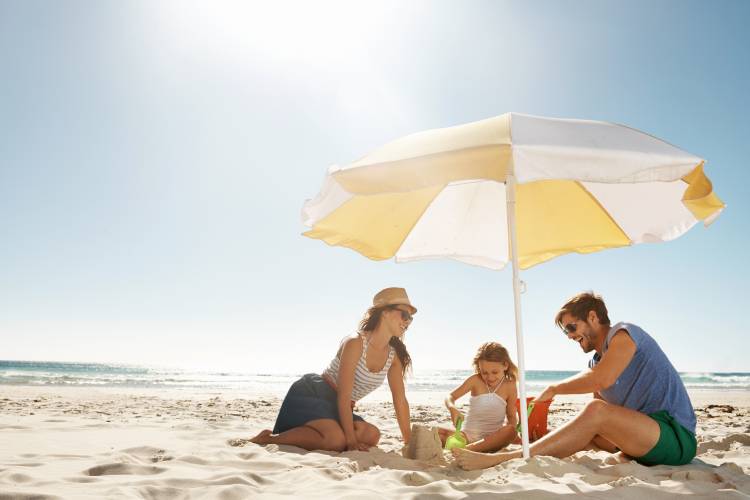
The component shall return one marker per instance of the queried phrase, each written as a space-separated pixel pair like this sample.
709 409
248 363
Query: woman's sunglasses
404 314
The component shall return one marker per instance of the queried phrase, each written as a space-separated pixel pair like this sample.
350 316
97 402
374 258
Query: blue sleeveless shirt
649 383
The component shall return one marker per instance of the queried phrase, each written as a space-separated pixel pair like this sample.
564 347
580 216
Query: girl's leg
321 434
445 434
495 441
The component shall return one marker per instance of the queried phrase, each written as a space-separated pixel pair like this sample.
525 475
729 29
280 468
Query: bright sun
311 33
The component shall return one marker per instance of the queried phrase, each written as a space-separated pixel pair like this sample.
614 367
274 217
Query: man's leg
634 433
604 444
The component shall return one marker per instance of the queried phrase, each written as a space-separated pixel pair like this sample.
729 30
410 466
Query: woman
317 412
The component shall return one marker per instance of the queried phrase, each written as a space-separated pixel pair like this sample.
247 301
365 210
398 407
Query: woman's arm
350 355
400 404
450 399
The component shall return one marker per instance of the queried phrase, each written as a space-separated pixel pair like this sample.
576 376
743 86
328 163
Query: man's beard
586 343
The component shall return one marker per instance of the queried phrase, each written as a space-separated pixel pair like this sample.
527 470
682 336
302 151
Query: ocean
51 374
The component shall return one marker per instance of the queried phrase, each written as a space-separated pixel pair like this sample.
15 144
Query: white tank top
486 414
365 381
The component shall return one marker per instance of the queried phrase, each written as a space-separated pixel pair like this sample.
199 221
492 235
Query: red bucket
537 420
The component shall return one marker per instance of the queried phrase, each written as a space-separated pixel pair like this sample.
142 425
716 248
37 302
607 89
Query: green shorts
676 445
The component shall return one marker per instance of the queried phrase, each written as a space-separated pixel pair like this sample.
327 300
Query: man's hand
548 393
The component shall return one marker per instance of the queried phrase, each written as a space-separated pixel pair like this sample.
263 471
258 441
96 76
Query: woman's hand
354 445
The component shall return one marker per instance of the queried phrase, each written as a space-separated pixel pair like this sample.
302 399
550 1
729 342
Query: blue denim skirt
309 398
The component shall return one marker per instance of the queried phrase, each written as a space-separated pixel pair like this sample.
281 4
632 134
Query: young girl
493 399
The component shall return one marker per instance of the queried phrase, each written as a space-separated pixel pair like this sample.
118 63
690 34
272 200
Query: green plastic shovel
457 440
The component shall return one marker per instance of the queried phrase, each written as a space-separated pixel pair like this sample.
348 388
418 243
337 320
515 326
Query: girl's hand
455 415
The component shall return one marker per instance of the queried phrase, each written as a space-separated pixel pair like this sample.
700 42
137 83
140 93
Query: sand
110 443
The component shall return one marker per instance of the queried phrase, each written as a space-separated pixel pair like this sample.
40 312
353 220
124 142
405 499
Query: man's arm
613 363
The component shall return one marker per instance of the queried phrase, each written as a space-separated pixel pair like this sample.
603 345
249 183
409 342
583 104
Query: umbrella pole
510 195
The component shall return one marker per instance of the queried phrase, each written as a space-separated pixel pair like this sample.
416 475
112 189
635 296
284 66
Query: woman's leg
321 434
366 433
495 441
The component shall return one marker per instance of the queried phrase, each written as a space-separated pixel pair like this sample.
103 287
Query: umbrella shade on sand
514 188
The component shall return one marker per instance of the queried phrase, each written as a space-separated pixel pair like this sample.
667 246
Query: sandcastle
425 445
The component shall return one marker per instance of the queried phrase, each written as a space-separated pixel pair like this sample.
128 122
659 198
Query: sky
155 157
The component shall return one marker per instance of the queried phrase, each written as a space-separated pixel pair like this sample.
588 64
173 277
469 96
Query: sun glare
339 49
295 32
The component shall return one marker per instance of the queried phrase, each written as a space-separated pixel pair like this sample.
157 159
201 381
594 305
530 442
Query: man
640 407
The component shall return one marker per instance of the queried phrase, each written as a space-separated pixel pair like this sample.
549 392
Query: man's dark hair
579 307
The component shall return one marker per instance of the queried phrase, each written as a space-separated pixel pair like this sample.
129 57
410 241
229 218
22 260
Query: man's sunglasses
569 328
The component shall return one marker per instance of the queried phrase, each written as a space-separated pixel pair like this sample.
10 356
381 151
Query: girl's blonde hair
492 351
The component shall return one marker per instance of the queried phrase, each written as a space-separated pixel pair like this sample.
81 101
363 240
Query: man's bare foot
472 460
263 437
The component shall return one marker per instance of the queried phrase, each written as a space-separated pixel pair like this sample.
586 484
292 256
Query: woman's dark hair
371 320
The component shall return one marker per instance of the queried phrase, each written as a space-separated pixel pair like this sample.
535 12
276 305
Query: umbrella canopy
582 186
514 188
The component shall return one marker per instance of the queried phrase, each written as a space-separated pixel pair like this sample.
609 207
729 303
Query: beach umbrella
516 189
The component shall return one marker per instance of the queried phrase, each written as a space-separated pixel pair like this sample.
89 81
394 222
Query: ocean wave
102 375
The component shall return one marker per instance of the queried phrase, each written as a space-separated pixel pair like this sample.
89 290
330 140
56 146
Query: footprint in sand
624 481
416 479
123 469
724 444
20 478
148 454
191 459
695 475
238 441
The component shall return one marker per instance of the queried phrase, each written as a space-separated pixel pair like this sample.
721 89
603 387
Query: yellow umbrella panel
467 220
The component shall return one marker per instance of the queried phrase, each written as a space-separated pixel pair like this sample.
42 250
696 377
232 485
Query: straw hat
391 297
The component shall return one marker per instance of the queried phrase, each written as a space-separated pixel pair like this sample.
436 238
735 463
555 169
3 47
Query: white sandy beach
113 443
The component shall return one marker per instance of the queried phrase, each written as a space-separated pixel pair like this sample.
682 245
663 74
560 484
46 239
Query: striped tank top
365 381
